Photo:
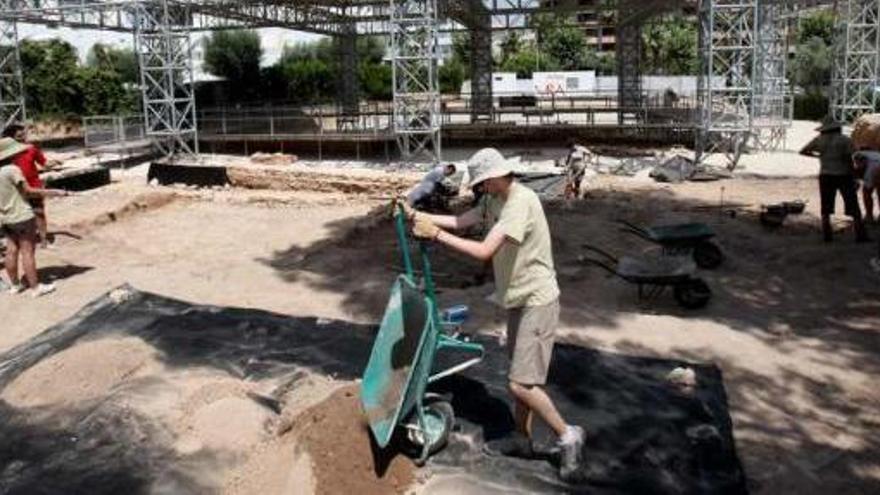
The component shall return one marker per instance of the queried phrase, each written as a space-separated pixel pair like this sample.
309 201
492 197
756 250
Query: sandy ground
793 324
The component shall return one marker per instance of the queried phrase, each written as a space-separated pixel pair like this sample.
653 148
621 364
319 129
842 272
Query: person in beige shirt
519 246
18 222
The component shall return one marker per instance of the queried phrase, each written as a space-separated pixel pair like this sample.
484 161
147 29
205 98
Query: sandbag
866 132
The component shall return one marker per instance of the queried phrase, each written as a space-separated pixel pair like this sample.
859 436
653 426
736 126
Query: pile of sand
337 439
84 372
324 449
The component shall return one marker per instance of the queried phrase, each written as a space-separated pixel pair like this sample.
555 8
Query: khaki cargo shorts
531 331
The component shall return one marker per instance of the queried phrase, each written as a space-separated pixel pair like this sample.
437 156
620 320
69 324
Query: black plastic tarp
644 436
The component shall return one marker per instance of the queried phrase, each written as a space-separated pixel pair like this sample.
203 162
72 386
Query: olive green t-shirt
13 206
523 266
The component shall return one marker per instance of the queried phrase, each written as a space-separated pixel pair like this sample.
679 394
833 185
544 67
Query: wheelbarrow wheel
439 421
693 294
707 255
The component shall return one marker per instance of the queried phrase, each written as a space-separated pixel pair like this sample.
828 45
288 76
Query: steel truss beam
414 58
164 50
856 71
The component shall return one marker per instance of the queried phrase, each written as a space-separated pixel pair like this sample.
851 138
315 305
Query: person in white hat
17 220
519 246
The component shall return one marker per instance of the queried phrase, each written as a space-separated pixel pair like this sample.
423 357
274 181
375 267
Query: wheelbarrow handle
604 254
400 227
633 229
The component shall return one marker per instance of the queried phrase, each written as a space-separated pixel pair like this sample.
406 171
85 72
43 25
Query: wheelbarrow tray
399 365
655 271
683 233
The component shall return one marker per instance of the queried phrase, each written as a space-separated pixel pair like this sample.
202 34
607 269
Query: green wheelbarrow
694 239
413 330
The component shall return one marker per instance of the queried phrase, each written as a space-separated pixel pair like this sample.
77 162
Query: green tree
371 50
568 47
104 92
375 81
451 75
819 24
122 61
563 43
461 49
529 60
51 78
511 44
606 63
374 73
811 69
670 46
235 56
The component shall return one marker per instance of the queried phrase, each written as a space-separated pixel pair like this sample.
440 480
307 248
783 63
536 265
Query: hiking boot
42 289
15 289
570 446
514 445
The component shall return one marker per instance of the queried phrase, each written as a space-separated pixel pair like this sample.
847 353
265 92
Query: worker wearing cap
519 246
836 173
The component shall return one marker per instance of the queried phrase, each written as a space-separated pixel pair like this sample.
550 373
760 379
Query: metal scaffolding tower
414 58
12 107
164 49
856 72
771 108
725 91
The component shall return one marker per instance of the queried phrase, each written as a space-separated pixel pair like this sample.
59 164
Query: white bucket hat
488 163
10 147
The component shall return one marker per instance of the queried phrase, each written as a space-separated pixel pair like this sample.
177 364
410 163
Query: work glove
408 211
423 228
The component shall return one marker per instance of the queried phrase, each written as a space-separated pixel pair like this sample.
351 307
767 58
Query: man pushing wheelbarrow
520 248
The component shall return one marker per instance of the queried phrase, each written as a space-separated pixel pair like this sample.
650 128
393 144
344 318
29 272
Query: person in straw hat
836 174
519 247
18 222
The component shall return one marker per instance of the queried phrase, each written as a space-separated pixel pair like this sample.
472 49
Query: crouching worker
519 247
431 189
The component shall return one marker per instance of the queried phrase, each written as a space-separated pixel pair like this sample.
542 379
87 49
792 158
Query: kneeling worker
520 248
432 183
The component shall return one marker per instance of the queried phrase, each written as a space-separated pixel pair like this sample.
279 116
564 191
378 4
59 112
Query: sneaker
514 445
15 289
570 446
42 290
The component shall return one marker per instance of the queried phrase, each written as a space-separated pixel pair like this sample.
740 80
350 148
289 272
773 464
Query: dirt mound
81 373
279 159
337 438
866 132
54 129
141 203
308 180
